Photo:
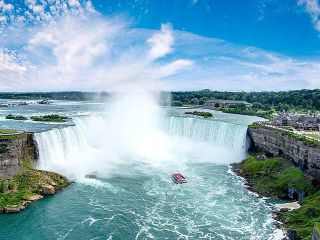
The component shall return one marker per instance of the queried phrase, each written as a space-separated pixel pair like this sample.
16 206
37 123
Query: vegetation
49 118
284 100
16 117
317 136
15 190
252 111
273 176
26 184
201 114
8 134
7 131
264 104
304 139
303 220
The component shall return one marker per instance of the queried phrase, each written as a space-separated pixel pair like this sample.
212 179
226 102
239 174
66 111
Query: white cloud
8 63
39 11
78 49
313 9
74 3
93 53
161 43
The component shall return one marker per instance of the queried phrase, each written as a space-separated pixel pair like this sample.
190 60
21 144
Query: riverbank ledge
20 183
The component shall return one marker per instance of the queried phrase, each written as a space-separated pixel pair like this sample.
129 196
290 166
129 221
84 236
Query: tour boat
178 178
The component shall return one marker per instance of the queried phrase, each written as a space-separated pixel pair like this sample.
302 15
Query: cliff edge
20 183
303 152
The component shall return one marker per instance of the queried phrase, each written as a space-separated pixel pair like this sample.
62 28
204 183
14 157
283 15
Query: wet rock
48 190
90 176
292 235
12 209
284 209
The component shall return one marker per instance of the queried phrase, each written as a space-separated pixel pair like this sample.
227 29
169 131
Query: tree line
282 100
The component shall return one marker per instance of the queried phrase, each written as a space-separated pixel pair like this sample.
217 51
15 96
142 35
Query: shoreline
274 178
283 234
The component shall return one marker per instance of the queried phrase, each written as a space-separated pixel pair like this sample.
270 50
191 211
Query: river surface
133 196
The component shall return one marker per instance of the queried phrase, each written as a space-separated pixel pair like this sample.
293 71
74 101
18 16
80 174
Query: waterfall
60 148
93 145
229 135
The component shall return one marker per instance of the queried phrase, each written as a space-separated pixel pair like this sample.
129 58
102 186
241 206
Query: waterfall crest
78 149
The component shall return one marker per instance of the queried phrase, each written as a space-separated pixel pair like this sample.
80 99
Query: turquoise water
214 204
134 197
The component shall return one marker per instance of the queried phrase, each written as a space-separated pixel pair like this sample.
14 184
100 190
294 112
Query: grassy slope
273 176
7 131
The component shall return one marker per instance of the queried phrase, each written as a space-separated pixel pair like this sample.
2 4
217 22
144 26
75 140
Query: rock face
305 156
13 148
48 190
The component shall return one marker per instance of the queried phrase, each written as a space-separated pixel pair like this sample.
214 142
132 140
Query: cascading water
228 135
134 148
76 150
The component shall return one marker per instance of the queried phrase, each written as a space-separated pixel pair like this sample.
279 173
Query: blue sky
277 25
169 45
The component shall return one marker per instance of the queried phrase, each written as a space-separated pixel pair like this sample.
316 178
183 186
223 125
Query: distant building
305 122
216 103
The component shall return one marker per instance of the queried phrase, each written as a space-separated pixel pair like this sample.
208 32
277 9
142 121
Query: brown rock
12 209
53 184
33 198
48 190
280 143
26 203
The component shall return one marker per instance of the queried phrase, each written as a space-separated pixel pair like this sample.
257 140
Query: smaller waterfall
228 135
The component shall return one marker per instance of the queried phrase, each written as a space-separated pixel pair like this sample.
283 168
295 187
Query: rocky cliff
14 148
302 152
20 183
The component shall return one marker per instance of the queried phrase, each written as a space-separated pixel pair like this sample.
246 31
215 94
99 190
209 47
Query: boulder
48 190
284 209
